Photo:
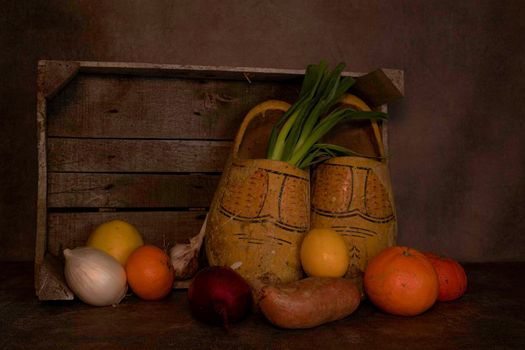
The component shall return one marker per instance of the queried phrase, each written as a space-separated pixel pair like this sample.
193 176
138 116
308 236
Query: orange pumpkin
401 281
451 275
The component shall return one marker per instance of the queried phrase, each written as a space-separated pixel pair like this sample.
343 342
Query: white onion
94 276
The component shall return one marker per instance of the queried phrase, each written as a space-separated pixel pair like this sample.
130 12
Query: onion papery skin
94 276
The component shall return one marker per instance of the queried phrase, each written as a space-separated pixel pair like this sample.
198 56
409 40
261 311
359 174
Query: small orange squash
451 275
401 281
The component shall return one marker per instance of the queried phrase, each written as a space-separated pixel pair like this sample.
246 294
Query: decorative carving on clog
259 219
353 196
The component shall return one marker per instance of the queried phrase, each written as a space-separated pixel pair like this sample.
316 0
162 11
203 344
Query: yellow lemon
117 238
324 253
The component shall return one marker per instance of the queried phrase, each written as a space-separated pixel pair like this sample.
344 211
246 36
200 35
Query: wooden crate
145 143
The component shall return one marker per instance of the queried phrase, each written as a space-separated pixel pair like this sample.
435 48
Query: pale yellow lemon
118 238
324 253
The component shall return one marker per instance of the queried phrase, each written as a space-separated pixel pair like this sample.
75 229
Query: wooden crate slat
161 228
95 190
107 155
188 71
145 107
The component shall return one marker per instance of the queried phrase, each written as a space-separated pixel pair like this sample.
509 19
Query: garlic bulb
185 256
185 260
94 276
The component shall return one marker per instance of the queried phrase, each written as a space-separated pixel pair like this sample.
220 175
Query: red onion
219 295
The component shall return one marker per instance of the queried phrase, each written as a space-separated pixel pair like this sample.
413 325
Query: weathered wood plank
95 190
105 155
54 75
161 228
488 316
378 88
191 71
41 205
397 76
112 106
51 280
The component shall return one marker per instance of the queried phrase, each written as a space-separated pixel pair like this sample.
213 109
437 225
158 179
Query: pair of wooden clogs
262 208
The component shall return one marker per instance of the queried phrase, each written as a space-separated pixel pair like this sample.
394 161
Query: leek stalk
295 136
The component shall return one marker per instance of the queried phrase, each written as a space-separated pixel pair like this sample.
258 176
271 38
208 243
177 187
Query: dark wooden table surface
490 316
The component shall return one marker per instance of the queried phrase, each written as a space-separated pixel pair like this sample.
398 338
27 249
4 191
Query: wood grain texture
190 71
90 190
53 285
160 228
41 205
104 155
397 77
55 75
116 106
378 88
488 316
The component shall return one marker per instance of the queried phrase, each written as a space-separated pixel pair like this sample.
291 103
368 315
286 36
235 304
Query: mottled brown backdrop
457 139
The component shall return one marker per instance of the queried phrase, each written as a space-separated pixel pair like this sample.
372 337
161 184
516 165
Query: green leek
295 136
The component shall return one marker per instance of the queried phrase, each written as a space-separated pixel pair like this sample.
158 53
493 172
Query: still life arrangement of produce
301 234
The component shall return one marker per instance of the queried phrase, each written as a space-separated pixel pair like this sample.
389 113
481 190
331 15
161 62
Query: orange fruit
150 273
451 275
401 281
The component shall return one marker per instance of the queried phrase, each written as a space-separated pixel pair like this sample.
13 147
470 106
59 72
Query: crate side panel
113 106
378 87
52 282
160 228
95 190
105 155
